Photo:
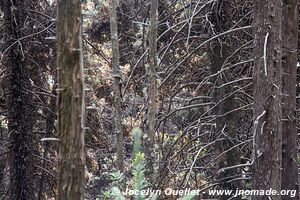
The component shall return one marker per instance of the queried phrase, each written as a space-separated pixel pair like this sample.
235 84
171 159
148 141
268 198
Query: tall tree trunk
19 102
224 99
289 63
152 88
267 77
70 104
225 123
117 84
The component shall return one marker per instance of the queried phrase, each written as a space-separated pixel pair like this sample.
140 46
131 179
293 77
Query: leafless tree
21 112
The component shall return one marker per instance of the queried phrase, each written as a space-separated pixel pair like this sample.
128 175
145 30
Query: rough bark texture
267 75
289 63
152 87
70 105
19 102
117 84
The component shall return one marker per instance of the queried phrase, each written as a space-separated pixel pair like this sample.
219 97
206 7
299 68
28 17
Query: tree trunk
152 88
226 124
267 76
289 130
224 99
117 84
70 104
19 102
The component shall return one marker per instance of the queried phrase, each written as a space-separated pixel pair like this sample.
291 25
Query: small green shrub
138 169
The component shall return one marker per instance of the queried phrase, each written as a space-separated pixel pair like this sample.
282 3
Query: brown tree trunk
289 130
70 104
267 76
117 84
152 87
19 102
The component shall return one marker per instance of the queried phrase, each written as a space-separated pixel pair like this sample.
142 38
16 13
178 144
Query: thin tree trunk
70 104
117 84
19 102
289 130
152 88
267 75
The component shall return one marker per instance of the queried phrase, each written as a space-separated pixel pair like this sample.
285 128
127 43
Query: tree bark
19 102
289 130
117 84
152 87
267 77
70 104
